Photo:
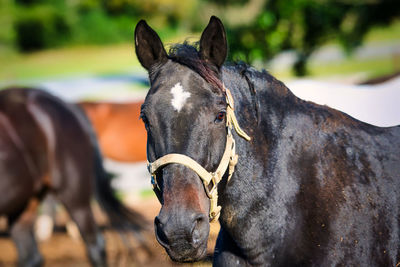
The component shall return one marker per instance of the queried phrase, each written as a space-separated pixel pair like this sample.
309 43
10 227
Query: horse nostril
199 230
160 234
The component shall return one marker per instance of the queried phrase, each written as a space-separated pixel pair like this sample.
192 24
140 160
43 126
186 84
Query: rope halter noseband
228 161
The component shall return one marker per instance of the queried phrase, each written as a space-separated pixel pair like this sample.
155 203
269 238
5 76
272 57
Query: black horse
47 145
313 186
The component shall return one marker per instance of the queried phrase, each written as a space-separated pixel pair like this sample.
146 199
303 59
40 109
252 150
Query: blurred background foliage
305 25
38 24
257 29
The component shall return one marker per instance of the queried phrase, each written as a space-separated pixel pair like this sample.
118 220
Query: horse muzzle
184 236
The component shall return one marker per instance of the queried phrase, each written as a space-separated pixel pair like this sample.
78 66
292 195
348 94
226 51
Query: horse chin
193 255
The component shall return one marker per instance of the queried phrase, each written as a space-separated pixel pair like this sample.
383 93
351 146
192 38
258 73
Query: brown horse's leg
82 215
45 222
22 234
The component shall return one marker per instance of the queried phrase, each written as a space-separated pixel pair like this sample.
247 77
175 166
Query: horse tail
121 217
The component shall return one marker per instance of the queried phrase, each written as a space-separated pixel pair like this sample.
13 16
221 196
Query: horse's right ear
149 48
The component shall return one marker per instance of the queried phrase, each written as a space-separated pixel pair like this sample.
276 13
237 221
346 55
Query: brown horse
121 136
47 145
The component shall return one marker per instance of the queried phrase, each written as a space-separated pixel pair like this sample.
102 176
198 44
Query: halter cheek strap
228 162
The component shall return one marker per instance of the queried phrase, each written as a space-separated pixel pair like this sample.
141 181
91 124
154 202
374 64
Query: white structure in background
130 177
374 104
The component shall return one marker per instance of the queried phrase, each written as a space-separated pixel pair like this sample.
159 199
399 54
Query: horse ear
149 48
213 44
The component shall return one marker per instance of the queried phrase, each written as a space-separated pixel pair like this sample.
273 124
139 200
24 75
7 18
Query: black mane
188 55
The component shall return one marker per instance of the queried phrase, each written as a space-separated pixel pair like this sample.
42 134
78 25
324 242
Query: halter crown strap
228 161
231 118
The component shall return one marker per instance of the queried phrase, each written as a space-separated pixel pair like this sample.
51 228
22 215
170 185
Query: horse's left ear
213 44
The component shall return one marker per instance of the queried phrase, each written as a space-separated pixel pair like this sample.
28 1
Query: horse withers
296 183
48 146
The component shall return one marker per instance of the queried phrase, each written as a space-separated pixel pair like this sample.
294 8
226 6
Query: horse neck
261 101
261 104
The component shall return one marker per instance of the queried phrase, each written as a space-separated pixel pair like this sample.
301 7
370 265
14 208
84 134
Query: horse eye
220 117
145 121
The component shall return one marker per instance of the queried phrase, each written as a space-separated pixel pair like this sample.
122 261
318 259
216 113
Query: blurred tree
304 25
6 22
173 13
40 27
40 24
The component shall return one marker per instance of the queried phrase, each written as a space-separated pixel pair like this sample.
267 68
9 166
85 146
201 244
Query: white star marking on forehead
178 96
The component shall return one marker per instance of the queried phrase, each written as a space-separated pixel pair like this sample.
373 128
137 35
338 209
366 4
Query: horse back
370 153
21 127
70 141
17 179
348 173
23 163
54 134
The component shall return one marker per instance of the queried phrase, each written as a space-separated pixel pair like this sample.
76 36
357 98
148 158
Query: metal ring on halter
214 186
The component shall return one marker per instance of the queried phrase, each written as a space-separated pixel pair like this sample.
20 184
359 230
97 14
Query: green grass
108 59
147 193
68 61
382 34
370 68
143 194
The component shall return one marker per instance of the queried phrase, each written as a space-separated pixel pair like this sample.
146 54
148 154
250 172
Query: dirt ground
61 250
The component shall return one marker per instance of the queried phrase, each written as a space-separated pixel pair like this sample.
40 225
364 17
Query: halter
229 160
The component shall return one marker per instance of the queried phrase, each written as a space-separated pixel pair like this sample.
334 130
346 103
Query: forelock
188 55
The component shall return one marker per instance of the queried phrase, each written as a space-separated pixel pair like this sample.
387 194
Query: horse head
187 118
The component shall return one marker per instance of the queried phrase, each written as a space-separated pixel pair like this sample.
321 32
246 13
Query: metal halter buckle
156 188
153 180
214 185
